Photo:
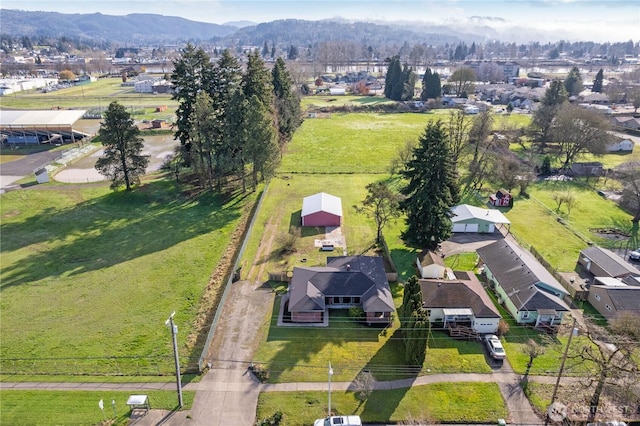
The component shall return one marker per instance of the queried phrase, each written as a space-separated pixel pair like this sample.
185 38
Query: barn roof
464 212
40 118
321 202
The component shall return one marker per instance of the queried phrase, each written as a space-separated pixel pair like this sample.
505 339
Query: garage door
472 227
459 227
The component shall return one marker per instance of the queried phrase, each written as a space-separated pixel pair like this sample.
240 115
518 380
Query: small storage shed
321 209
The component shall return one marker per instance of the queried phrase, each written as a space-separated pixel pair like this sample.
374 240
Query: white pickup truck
339 420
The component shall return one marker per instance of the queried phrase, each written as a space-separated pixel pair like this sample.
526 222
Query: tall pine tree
287 102
431 191
431 86
597 83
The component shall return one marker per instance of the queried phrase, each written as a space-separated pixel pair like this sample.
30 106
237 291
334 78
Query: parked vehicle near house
635 255
495 346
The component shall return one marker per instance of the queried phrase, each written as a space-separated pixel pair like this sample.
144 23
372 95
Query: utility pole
174 332
330 374
564 358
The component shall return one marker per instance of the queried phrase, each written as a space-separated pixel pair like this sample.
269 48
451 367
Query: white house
467 218
459 304
621 145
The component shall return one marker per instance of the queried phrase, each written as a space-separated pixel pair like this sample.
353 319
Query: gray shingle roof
625 298
354 276
609 262
467 293
521 276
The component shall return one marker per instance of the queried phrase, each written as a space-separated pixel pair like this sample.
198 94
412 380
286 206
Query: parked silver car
495 346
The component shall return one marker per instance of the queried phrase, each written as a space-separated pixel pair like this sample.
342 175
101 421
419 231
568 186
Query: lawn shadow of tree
388 365
298 347
114 228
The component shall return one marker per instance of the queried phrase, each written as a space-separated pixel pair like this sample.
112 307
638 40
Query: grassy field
352 143
90 273
23 408
441 402
97 94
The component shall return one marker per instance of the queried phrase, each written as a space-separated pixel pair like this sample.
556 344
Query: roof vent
348 267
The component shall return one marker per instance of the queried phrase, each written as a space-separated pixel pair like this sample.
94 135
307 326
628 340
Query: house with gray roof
459 304
610 297
346 281
526 289
604 263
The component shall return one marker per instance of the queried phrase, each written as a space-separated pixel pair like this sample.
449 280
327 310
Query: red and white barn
502 198
321 209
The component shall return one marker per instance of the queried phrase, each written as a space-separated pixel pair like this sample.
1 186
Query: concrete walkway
230 396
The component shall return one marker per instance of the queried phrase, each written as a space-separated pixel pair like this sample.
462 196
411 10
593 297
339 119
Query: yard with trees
164 233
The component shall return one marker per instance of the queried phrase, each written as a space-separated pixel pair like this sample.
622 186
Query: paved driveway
24 166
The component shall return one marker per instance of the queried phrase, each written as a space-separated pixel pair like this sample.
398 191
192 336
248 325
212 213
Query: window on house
336 300
356 300
597 297
608 307
525 315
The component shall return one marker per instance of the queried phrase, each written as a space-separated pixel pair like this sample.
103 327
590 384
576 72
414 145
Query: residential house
620 145
610 296
346 281
601 262
526 289
591 168
461 306
321 209
502 198
626 122
467 218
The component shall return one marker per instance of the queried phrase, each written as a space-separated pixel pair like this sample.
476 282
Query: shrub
274 420
356 313
262 373
503 328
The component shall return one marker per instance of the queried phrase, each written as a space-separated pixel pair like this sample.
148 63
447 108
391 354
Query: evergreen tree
202 135
287 102
431 190
190 75
265 49
256 80
408 83
597 83
573 82
431 86
414 323
393 82
225 82
122 162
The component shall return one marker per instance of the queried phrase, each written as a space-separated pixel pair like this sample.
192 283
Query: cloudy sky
598 20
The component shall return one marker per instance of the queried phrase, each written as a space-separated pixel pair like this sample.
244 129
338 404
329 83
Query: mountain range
140 28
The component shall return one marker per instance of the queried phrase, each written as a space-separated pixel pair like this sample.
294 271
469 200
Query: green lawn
89 274
351 143
22 408
96 94
434 403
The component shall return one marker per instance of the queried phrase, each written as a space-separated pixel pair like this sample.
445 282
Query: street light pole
174 332
330 374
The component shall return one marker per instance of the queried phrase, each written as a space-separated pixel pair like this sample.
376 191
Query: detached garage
321 210
468 218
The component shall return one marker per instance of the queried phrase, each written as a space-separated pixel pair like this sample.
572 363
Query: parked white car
635 255
339 421
495 346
